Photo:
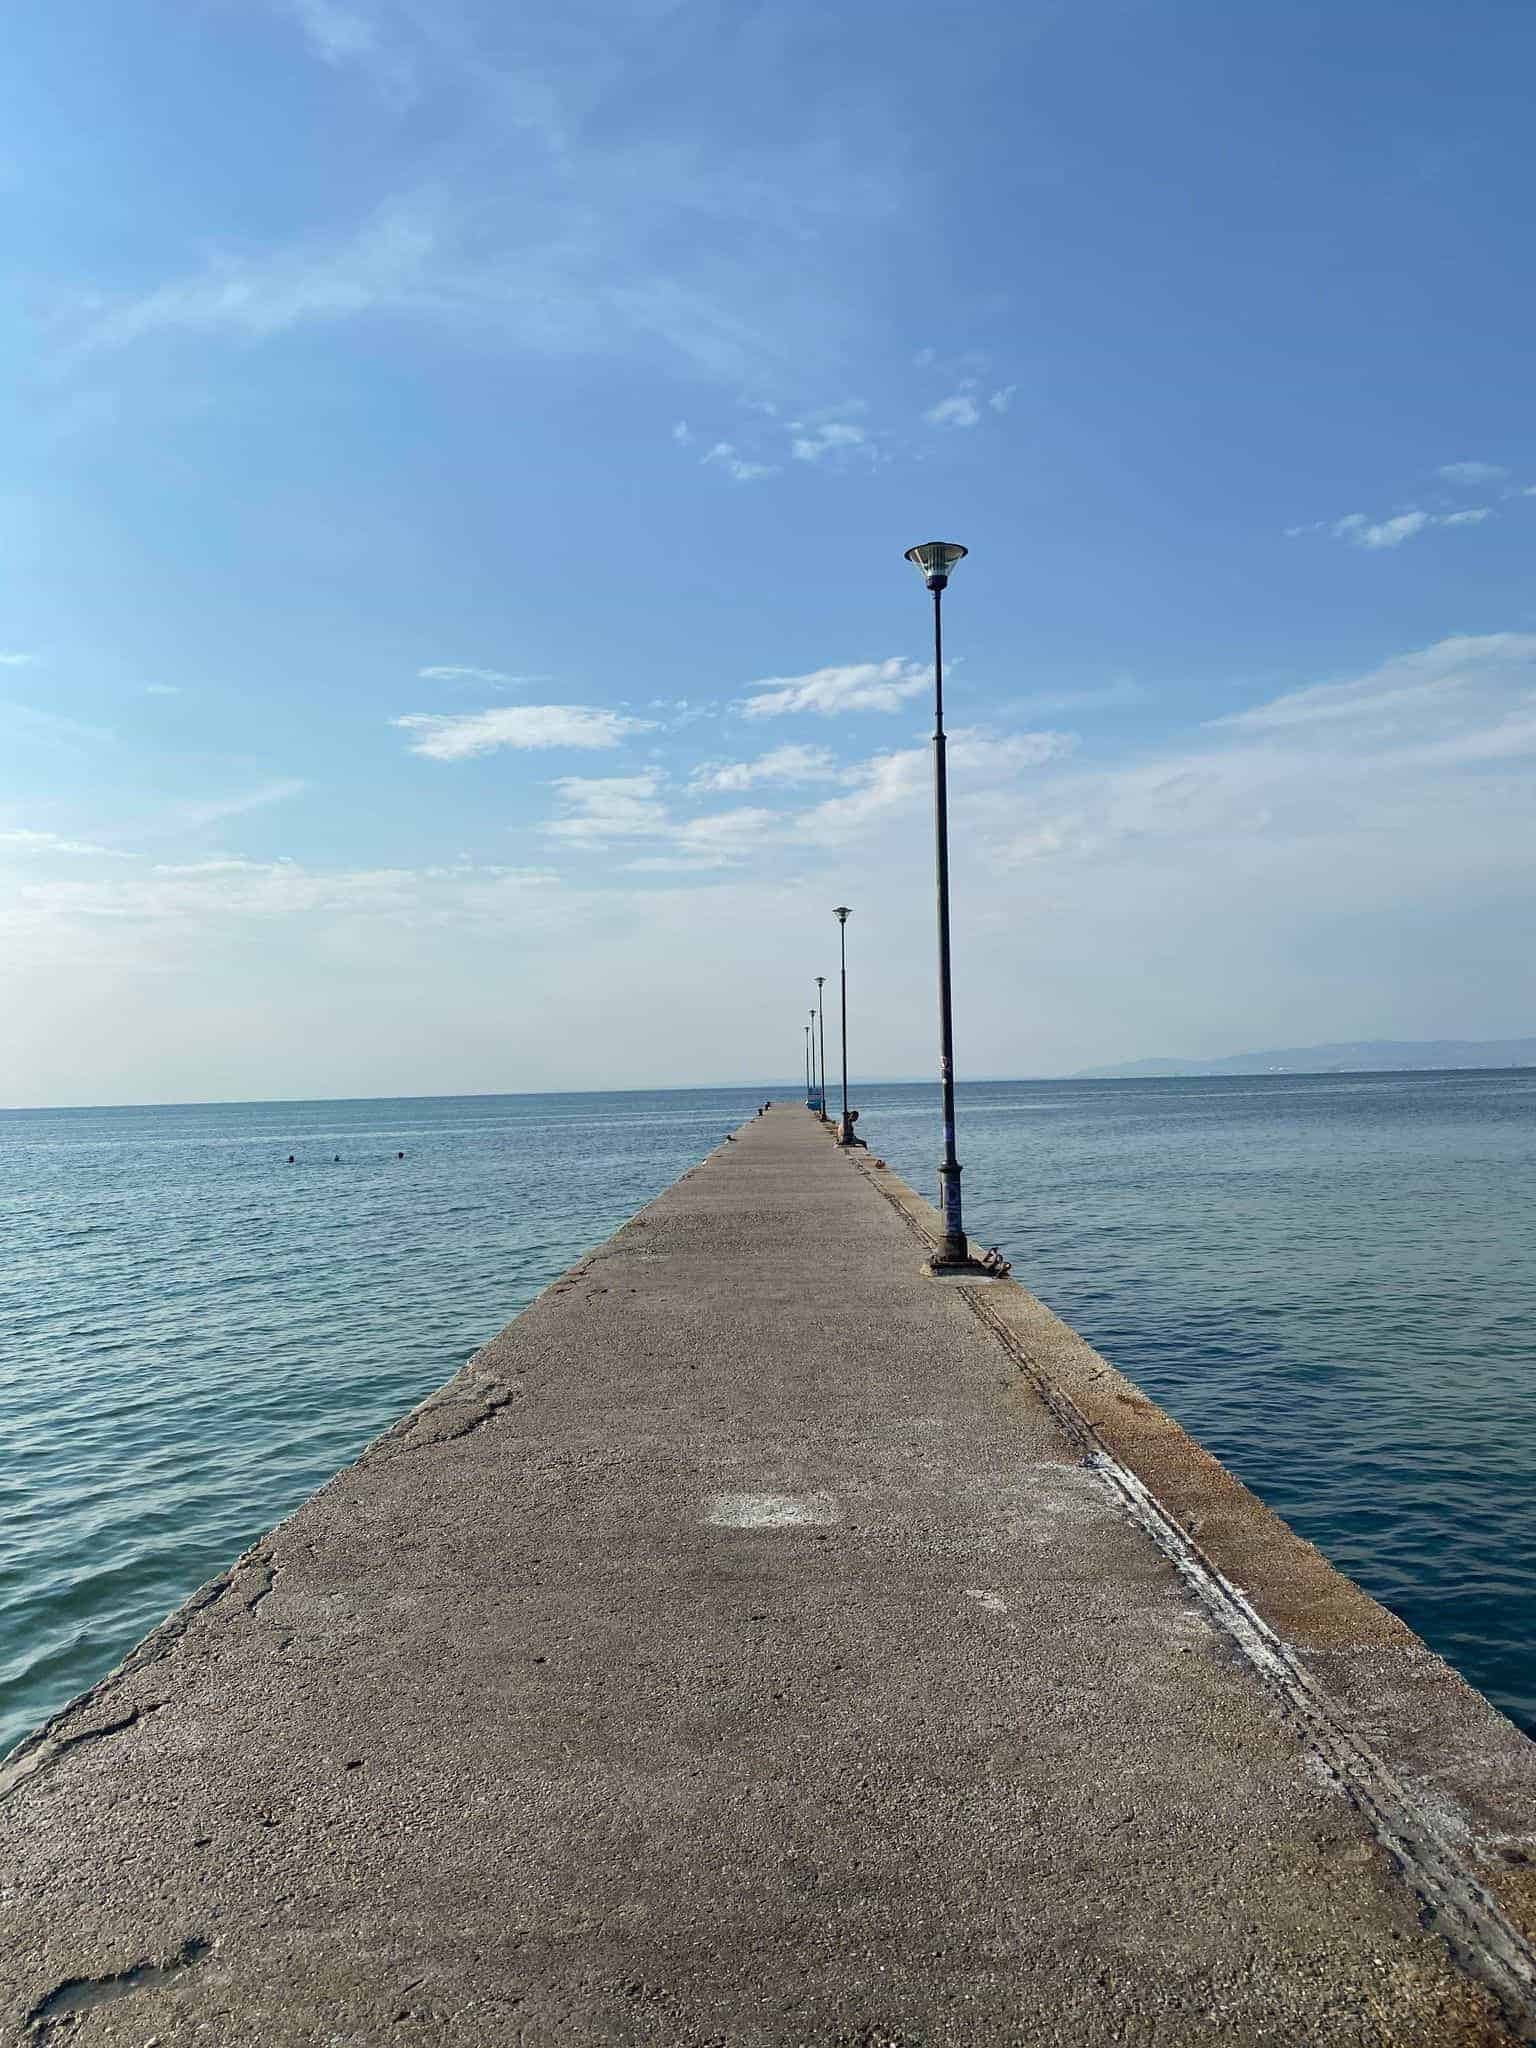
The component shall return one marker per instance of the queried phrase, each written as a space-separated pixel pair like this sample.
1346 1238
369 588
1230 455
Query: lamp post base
990 1265
846 1135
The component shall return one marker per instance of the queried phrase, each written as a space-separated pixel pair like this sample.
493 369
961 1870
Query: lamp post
811 1027
807 1030
821 1027
845 1127
934 560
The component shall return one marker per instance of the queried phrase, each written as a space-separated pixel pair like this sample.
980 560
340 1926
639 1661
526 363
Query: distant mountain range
1364 1056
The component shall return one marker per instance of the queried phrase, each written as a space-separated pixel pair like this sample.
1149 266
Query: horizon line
795 1090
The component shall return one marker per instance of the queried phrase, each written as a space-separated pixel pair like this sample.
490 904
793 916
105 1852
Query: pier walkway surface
764 1642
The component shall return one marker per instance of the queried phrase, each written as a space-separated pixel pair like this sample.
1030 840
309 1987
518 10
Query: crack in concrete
46 1749
269 1567
413 1437
1453 1902
80 1994
36 1752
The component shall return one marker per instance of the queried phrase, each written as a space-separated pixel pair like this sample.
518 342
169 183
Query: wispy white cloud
900 780
337 34
597 809
600 812
1364 790
811 443
1001 400
446 736
17 660
1508 736
885 783
735 465
1363 531
221 864
162 689
854 686
682 433
789 765
721 839
1376 534
431 256
1473 473
1380 533
394 263
213 810
199 897
21 841
1433 683
341 35
52 725
453 673
961 410
536 223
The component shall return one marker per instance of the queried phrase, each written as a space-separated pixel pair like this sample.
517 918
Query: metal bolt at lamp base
934 560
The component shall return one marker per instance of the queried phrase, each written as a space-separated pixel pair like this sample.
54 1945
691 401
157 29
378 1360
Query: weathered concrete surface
762 1643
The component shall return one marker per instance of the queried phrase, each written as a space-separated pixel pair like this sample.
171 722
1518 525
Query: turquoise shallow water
1332 1282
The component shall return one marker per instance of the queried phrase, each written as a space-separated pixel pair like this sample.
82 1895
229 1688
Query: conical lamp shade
936 559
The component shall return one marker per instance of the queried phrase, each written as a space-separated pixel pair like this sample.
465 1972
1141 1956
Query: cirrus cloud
444 736
787 765
852 686
959 411
1473 472
453 672
20 840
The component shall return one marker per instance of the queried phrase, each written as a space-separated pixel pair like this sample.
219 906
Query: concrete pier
761 1642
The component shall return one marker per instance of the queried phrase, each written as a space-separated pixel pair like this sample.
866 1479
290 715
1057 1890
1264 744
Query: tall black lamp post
845 1126
807 1030
821 1029
934 561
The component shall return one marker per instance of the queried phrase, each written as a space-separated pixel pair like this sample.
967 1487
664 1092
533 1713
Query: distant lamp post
815 1087
807 1030
935 560
821 1029
845 1126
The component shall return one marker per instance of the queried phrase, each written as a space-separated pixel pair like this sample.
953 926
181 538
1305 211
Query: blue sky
459 458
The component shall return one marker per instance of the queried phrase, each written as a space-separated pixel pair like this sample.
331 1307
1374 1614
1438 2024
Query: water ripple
1331 1282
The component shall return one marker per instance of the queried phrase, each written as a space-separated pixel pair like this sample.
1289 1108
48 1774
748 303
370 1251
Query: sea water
1330 1281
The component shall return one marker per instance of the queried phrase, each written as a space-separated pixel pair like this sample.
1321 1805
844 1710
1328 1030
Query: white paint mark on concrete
771 1510
992 1603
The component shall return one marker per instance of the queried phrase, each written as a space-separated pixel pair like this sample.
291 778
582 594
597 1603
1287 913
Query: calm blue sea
1332 1282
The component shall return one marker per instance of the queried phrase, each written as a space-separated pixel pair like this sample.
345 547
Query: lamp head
820 979
841 913
935 561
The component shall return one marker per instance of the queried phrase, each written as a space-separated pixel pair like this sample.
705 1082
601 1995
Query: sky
454 635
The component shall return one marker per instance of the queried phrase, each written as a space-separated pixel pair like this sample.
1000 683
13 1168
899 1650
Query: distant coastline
1360 1056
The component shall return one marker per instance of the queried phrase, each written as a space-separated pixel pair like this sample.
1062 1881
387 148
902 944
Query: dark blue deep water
1331 1282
